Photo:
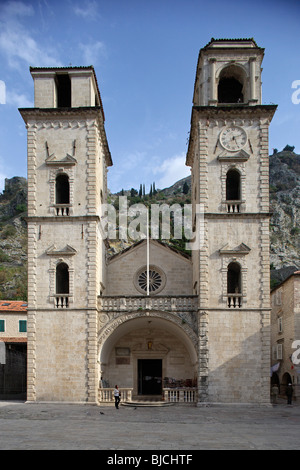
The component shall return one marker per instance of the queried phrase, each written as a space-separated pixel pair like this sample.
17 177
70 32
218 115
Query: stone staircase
146 400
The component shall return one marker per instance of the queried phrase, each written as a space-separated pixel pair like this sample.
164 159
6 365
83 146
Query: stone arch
232 83
117 326
134 339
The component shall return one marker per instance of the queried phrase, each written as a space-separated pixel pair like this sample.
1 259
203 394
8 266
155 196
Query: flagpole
148 254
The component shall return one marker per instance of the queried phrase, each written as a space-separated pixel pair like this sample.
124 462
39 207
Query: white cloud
12 9
138 168
91 52
88 11
18 100
171 170
17 43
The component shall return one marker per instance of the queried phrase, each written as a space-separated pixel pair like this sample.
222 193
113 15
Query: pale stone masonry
233 350
202 334
67 141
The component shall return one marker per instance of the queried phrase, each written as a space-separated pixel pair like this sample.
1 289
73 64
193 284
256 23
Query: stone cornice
242 110
67 218
230 215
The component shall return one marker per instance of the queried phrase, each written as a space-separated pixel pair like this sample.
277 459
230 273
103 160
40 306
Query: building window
233 190
62 189
63 87
157 280
2 326
279 351
280 328
22 326
62 278
234 285
62 194
62 286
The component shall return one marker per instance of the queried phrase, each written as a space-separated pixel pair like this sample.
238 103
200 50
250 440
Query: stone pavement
175 428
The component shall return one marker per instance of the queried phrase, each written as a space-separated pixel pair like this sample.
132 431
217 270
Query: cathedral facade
158 323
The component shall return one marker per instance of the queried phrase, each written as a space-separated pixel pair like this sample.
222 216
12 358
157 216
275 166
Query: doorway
149 376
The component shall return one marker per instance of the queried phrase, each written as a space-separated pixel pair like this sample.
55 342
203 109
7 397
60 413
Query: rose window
156 280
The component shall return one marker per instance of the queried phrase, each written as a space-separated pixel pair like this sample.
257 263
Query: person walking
275 392
117 396
289 393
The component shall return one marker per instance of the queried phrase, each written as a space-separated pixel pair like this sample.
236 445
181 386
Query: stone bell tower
68 156
228 156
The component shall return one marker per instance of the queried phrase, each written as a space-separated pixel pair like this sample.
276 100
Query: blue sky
145 54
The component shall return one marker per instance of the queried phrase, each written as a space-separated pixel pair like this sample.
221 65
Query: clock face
233 138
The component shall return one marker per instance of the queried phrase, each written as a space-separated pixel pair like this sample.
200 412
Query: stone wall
122 270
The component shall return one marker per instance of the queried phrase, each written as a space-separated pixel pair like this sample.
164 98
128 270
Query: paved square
85 427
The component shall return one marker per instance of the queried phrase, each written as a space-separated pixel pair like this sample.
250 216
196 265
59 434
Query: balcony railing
234 206
175 395
162 303
106 395
61 300
180 395
234 300
62 209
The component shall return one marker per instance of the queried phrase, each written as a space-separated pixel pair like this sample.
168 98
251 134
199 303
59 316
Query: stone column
253 97
213 89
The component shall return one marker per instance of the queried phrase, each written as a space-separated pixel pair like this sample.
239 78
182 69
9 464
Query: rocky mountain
285 209
13 240
284 223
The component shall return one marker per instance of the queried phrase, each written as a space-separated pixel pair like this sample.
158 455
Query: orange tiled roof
13 306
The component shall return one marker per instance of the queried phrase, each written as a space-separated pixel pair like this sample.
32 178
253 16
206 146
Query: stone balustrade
62 209
180 395
106 395
175 395
161 303
234 300
61 300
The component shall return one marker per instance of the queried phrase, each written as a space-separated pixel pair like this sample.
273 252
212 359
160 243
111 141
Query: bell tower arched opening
232 85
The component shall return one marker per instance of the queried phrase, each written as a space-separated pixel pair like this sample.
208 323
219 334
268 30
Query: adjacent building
285 334
13 349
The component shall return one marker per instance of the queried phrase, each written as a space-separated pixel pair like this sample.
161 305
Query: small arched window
234 284
231 85
62 189
62 278
233 185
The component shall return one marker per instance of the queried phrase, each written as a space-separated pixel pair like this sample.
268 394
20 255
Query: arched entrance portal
148 354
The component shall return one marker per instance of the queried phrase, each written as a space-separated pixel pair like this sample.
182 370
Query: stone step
144 403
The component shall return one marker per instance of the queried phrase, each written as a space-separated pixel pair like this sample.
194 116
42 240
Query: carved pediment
241 249
67 251
240 156
68 160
